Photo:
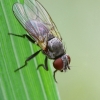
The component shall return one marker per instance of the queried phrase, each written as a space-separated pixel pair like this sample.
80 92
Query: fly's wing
36 20
27 15
46 18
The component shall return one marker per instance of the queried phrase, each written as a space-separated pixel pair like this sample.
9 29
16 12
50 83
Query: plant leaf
28 83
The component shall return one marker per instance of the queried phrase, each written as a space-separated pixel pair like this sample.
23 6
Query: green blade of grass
28 83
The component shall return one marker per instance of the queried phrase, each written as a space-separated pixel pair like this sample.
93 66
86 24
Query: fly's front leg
45 66
54 75
23 36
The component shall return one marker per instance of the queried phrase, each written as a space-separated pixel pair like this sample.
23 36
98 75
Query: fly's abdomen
36 29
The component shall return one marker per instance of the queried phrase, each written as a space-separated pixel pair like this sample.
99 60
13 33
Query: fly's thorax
54 48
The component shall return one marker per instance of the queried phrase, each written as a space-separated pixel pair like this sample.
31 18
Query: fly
42 31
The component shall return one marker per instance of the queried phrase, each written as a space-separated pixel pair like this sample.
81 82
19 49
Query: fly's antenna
54 75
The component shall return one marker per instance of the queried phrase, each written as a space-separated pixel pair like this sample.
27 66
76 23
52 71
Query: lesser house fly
43 32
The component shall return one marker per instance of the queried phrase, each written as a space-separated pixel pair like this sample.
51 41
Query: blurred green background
78 21
79 24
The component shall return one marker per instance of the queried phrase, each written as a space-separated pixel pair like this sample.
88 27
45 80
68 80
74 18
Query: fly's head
62 63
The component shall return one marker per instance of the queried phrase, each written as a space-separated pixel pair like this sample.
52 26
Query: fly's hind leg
23 36
45 66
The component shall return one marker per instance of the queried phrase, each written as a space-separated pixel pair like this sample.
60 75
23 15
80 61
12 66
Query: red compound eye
58 64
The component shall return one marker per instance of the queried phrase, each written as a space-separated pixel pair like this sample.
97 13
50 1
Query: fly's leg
29 58
23 36
44 66
54 75
69 67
